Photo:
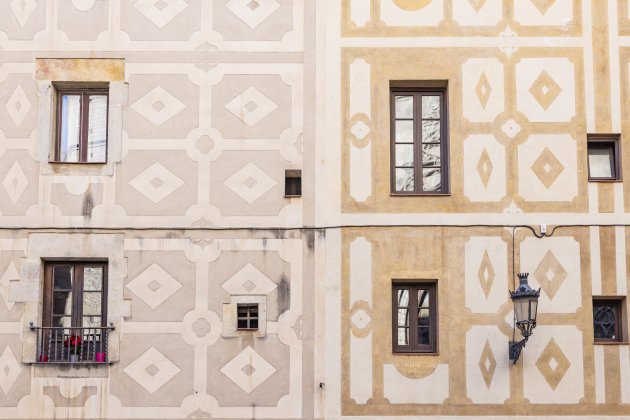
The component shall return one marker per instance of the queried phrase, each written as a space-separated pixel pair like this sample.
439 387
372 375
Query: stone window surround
69 246
83 72
230 316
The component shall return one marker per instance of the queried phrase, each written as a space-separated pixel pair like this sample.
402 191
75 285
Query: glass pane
62 277
404 179
423 317
242 323
520 306
423 298
253 323
92 278
430 107
431 179
604 322
61 321
404 131
403 297
403 336
430 131
92 303
430 155
91 322
70 134
423 335
62 303
404 106
599 162
404 155
97 129
533 307
403 317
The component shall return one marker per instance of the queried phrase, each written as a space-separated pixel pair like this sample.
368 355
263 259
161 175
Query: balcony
74 346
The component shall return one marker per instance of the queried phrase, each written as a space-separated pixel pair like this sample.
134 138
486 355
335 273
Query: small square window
608 319
247 316
603 157
81 131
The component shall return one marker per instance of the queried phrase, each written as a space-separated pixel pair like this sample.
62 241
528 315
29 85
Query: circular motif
204 144
201 327
412 4
83 5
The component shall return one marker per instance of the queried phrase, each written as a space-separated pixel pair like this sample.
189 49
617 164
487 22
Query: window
292 183
414 317
247 316
75 294
81 126
419 141
603 157
607 319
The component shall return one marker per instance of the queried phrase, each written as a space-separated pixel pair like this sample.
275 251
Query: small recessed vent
293 183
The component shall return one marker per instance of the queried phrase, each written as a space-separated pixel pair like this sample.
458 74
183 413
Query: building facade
312 209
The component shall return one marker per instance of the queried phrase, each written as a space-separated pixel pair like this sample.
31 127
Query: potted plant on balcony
73 344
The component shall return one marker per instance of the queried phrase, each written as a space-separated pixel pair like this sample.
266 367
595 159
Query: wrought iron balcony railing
74 345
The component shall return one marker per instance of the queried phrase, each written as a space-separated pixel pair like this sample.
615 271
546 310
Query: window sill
611 343
604 180
420 195
77 364
414 353
54 162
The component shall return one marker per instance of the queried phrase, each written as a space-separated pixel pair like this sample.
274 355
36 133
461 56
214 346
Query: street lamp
525 307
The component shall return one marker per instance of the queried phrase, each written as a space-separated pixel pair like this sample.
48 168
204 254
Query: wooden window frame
417 90
618 303
77 292
414 347
85 93
605 141
248 318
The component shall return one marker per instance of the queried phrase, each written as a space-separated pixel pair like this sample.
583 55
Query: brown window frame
77 292
248 318
617 302
605 141
413 346
417 90
85 93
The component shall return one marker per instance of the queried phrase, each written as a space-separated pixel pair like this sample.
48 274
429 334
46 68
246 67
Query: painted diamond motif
249 281
547 167
158 106
545 90
487 364
160 12
486 274
485 167
152 370
550 274
251 106
154 297
543 5
22 10
259 370
9 370
483 90
15 182
477 4
156 182
252 12
553 364
10 273
242 186
18 106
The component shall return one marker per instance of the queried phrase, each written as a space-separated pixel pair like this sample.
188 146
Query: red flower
72 341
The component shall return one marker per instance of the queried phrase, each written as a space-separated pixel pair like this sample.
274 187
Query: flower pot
100 357
74 358
43 358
